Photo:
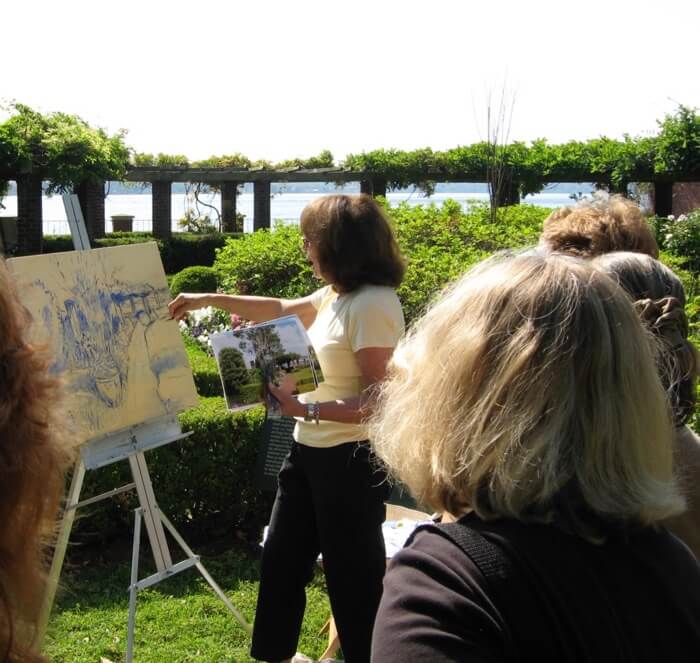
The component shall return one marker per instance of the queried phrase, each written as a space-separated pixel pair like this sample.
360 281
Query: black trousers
329 501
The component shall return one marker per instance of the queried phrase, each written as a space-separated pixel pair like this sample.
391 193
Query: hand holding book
286 402
269 363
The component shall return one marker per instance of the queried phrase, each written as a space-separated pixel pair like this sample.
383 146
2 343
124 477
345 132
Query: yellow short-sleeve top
369 317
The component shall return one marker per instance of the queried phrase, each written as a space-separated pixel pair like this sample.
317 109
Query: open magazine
278 351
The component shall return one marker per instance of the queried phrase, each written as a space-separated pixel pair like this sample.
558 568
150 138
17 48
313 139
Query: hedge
203 483
205 372
177 252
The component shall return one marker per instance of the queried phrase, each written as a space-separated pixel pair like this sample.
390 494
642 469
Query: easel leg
200 567
133 587
59 552
147 500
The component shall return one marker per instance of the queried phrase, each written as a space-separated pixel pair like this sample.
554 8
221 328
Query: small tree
498 174
233 370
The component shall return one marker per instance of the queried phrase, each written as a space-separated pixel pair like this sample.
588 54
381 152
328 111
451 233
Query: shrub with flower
681 237
202 323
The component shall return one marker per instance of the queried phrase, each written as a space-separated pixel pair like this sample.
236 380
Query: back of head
660 300
529 391
33 456
601 225
355 241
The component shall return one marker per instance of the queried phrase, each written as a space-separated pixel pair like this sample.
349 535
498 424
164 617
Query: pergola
92 195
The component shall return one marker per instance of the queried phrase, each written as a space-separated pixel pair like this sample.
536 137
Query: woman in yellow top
331 494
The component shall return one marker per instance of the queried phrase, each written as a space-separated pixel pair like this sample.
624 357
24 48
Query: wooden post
228 207
29 215
261 205
92 204
162 209
663 198
366 187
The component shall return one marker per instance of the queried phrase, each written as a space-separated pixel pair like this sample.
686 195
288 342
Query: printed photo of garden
274 352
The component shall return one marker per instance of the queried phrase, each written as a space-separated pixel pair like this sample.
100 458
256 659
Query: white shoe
302 658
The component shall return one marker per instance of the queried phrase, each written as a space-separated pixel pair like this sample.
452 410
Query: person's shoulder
429 548
320 296
382 296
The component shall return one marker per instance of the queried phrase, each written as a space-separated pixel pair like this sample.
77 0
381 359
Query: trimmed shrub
197 278
440 243
266 263
204 369
187 249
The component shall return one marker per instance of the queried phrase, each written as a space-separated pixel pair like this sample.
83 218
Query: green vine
64 150
60 148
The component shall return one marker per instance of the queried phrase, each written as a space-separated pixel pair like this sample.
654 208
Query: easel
127 444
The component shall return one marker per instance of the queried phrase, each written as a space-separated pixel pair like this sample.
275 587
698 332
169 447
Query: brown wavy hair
602 225
355 241
659 300
33 457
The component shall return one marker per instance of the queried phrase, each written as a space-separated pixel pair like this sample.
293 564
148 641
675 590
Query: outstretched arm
248 307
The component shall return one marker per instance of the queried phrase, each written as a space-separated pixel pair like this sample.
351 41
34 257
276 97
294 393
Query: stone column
376 186
261 205
29 215
508 195
92 204
162 209
228 208
620 188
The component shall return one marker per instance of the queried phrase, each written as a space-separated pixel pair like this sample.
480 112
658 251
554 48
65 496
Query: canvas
104 315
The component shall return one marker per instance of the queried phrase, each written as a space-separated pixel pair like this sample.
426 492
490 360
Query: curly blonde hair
599 225
33 457
659 299
529 391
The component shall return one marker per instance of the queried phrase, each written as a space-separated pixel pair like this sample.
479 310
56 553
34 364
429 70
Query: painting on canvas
104 316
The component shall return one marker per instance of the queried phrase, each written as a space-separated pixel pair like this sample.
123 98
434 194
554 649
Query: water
285 206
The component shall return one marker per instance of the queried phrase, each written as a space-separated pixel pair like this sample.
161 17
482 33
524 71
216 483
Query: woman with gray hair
659 299
526 404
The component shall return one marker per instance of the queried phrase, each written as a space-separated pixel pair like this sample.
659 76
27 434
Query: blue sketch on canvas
107 343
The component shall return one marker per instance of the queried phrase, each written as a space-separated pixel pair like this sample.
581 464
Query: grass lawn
177 620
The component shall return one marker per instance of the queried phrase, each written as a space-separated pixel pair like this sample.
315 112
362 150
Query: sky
278 80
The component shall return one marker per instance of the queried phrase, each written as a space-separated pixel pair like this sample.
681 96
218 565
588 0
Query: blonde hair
599 225
529 391
34 453
659 300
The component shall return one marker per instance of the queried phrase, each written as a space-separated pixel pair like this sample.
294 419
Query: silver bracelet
317 411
